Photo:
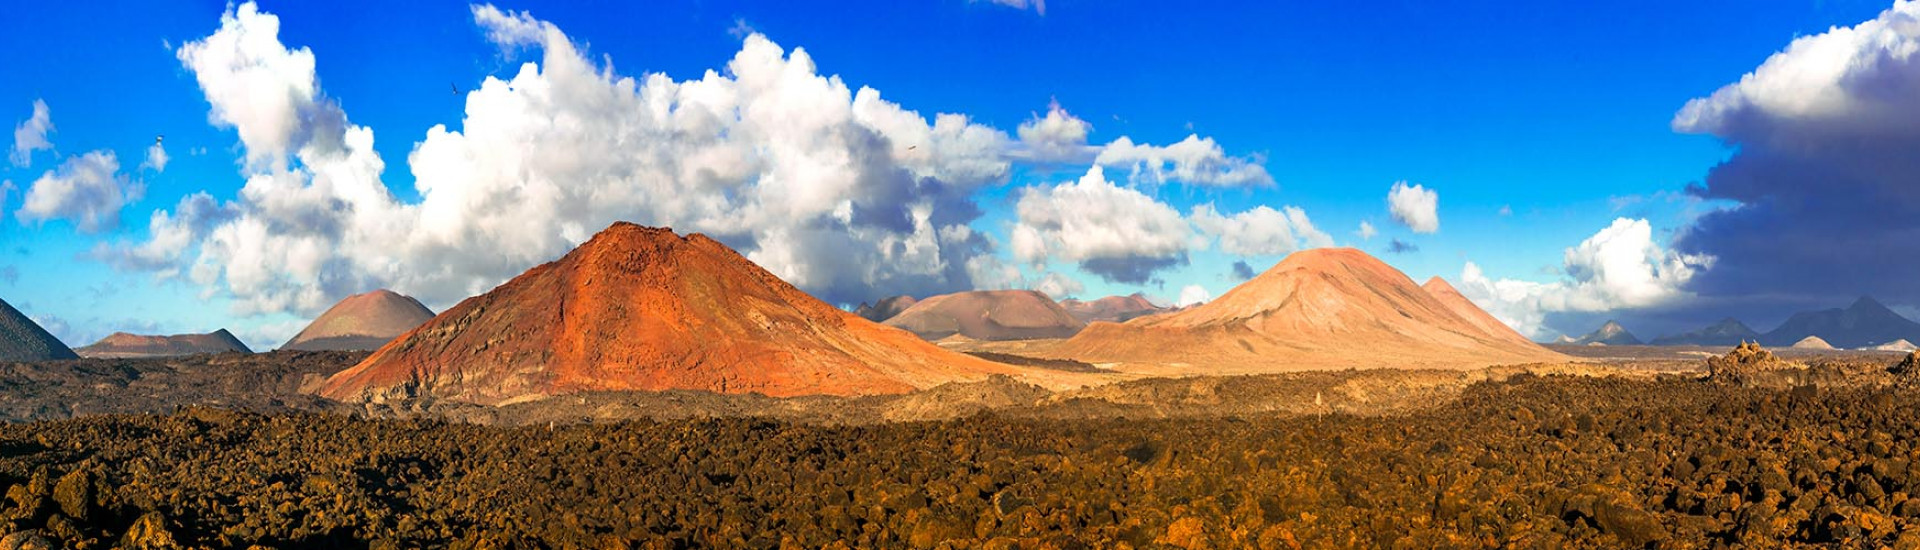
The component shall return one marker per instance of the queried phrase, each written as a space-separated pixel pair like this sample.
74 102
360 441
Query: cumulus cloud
1193 295
1115 232
807 176
1619 267
1057 137
156 158
1366 231
1039 6
1261 231
87 190
31 134
1194 161
1414 206
1822 177
1058 286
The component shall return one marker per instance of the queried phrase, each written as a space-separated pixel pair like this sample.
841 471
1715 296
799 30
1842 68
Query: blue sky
1560 114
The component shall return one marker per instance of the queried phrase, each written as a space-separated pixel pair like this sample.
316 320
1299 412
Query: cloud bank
1619 267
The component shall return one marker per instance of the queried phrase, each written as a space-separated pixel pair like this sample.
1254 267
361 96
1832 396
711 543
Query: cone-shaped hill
988 315
1318 309
124 345
1479 318
21 339
637 308
361 322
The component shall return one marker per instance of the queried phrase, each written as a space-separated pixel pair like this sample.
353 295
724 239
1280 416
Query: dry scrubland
1758 453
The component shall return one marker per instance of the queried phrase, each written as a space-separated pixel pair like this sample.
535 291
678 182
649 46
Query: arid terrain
226 452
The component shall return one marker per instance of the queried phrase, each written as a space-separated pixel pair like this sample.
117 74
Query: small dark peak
1867 303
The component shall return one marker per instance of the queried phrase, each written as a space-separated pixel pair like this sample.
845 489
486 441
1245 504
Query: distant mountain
1112 309
885 309
124 345
1812 342
1896 345
361 322
1611 334
1727 332
1866 323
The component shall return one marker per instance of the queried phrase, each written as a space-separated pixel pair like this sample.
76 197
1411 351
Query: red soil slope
1318 309
639 308
1466 309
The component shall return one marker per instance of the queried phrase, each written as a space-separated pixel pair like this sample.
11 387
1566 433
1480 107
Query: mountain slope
1466 309
638 308
1112 309
1727 332
1318 309
361 322
1864 323
21 339
124 345
988 315
1611 334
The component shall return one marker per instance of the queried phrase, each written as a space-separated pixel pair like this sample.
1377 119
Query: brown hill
988 315
1466 309
21 339
639 308
361 322
885 308
1112 309
1318 309
122 345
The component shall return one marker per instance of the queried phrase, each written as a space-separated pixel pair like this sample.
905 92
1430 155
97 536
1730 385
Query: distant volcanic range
1328 308
21 339
1112 309
122 345
361 322
638 308
988 315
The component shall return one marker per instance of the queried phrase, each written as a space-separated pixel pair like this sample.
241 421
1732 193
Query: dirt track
1535 462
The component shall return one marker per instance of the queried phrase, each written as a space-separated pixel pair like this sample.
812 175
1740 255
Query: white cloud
87 190
1193 295
1620 267
1848 80
156 157
1261 231
1115 232
266 92
834 189
31 135
1414 206
1058 286
1366 231
1057 137
1039 6
1193 161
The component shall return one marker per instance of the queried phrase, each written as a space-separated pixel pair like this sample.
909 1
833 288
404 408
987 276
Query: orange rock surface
639 308
1329 308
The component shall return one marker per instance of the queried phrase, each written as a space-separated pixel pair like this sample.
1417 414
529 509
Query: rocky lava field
1668 461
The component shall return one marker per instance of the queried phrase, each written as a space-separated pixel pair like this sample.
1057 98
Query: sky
189 166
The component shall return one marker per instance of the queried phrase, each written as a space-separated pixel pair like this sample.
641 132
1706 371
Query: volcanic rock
23 340
1611 334
1727 332
122 345
1864 323
1318 309
1747 363
1908 367
988 315
1812 342
885 308
1489 325
639 308
1112 309
361 322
